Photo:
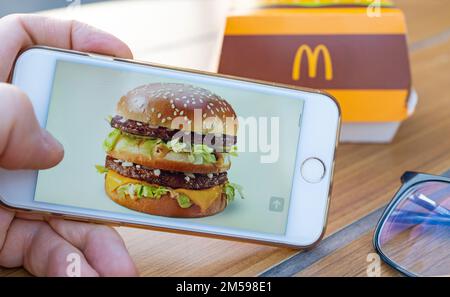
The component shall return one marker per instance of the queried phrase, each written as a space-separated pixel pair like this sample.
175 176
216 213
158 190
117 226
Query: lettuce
233 151
138 191
110 142
177 146
142 191
203 154
148 145
197 153
184 201
231 189
101 169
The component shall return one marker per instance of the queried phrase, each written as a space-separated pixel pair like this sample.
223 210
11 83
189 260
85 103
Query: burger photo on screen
169 151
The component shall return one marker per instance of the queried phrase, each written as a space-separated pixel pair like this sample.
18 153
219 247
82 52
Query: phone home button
313 170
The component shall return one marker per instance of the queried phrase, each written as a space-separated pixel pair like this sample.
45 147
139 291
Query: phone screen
121 155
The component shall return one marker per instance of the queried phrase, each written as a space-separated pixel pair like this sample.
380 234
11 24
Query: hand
41 245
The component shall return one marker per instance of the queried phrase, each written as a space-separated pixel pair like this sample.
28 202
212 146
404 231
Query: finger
101 245
42 252
6 218
23 143
20 31
30 216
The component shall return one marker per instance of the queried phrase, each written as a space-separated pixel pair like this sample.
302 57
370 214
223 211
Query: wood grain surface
425 19
366 176
350 260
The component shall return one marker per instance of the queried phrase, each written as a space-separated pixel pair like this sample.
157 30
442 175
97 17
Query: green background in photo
83 96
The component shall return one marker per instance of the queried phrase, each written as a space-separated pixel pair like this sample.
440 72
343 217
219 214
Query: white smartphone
177 150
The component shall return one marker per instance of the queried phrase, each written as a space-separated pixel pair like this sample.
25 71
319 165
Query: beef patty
169 179
219 143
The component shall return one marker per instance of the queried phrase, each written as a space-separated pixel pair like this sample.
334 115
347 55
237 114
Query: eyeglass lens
416 233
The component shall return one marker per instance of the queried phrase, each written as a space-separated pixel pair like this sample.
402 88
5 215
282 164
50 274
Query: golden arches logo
313 58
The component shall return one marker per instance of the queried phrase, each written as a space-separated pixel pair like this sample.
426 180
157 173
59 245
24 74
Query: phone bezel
318 138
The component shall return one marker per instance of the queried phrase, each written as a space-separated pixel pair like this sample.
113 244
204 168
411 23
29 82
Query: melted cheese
202 198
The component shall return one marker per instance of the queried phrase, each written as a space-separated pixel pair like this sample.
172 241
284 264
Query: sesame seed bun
167 206
179 106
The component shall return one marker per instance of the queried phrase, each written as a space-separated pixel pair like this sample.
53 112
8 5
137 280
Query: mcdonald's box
356 50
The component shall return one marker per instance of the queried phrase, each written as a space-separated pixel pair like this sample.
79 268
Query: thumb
23 143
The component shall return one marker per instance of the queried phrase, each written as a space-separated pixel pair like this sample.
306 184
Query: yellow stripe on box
319 3
318 21
372 105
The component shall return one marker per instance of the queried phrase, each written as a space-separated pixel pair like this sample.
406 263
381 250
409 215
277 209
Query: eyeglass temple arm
408 175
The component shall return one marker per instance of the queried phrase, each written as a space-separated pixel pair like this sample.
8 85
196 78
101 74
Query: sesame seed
159 115
181 112
163 120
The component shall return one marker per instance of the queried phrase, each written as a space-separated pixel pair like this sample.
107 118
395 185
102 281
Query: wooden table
366 175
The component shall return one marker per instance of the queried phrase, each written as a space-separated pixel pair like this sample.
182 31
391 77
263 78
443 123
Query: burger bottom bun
167 206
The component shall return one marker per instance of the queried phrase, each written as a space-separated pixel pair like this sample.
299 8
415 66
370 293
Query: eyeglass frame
409 179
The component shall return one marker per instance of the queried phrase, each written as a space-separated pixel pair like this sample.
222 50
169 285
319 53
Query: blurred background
26 6
184 33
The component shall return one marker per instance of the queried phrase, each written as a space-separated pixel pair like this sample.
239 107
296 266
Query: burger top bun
179 106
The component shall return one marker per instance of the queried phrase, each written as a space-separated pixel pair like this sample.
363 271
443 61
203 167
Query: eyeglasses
413 234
